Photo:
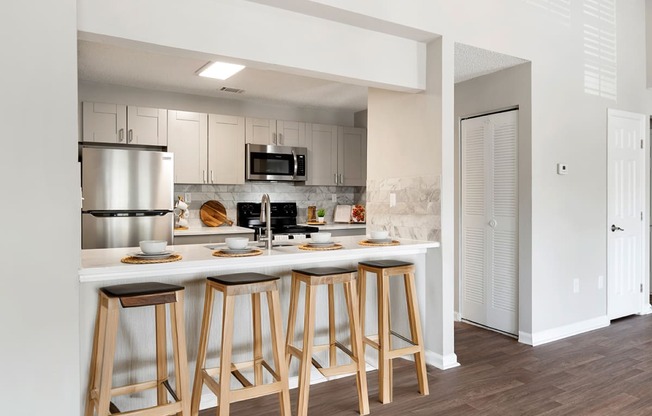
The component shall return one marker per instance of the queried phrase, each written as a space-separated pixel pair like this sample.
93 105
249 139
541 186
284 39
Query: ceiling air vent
233 90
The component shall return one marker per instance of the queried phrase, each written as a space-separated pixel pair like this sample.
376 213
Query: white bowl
320 237
236 243
379 235
153 246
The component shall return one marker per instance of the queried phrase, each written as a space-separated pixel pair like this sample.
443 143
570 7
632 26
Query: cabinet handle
342 178
212 180
121 135
280 138
335 178
203 176
274 138
130 136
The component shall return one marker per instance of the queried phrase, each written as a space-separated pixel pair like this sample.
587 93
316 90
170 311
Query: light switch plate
392 200
562 169
187 197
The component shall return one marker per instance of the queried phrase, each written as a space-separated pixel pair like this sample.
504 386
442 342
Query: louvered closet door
489 252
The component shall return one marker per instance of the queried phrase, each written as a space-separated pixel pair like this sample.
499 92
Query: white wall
568 125
504 89
89 91
261 37
39 300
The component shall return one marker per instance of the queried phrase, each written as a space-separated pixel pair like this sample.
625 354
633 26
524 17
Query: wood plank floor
603 372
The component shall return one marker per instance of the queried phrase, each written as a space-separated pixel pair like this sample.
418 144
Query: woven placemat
369 243
136 260
254 252
308 247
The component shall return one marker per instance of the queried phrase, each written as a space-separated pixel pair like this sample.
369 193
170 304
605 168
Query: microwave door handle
296 164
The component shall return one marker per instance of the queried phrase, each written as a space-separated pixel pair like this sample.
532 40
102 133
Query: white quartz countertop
222 229
337 226
104 264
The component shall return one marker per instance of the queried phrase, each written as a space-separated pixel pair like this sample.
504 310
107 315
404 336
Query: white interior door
489 252
625 194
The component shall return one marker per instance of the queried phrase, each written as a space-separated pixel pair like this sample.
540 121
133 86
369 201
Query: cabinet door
322 155
291 133
260 131
188 140
147 126
352 156
104 123
226 149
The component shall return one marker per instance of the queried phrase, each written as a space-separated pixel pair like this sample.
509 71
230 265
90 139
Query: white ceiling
110 64
472 62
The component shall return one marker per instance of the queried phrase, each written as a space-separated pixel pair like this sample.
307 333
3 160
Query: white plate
379 240
329 244
153 256
237 250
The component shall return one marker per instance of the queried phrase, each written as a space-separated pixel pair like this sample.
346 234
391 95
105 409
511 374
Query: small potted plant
320 214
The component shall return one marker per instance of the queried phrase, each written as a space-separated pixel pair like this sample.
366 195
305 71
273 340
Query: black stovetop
284 218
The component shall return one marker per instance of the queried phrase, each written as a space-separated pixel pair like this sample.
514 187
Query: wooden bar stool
384 269
231 286
312 278
100 388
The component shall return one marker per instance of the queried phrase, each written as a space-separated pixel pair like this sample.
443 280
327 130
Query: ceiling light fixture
219 70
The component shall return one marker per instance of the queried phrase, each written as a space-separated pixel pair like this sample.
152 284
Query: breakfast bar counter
135 347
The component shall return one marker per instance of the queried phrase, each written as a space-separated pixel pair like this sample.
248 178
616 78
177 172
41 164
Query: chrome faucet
266 217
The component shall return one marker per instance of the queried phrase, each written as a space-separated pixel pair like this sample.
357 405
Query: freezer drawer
127 231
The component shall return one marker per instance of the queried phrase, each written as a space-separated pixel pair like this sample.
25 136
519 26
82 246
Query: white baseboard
554 334
442 362
458 316
647 309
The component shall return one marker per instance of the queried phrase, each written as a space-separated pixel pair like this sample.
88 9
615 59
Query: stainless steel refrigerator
127 197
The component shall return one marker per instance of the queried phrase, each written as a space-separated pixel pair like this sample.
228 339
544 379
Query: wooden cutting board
213 214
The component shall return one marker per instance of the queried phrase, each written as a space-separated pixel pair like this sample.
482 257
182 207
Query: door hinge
642 144
641 215
641 287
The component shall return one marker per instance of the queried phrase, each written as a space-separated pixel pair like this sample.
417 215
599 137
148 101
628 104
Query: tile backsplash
304 196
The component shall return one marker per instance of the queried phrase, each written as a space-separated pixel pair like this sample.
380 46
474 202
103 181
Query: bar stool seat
313 277
230 286
100 390
384 269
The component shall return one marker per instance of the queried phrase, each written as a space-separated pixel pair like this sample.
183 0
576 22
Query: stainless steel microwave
275 163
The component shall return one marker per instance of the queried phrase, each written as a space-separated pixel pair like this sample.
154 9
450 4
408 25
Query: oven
275 163
283 217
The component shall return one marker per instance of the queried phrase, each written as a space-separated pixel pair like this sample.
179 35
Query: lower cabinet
208 238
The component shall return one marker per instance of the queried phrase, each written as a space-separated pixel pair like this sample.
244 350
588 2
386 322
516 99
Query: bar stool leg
96 357
415 329
201 354
362 295
356 346
274 306
332 352
384 363
161 355
292 318
224 399
178 329
108 355
258 339
306 352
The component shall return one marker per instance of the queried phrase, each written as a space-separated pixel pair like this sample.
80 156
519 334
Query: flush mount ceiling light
219 70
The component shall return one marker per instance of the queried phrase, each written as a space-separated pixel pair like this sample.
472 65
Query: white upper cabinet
104 123
226 149
322 155
188 140
336 155
275 132
290 133
116 123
